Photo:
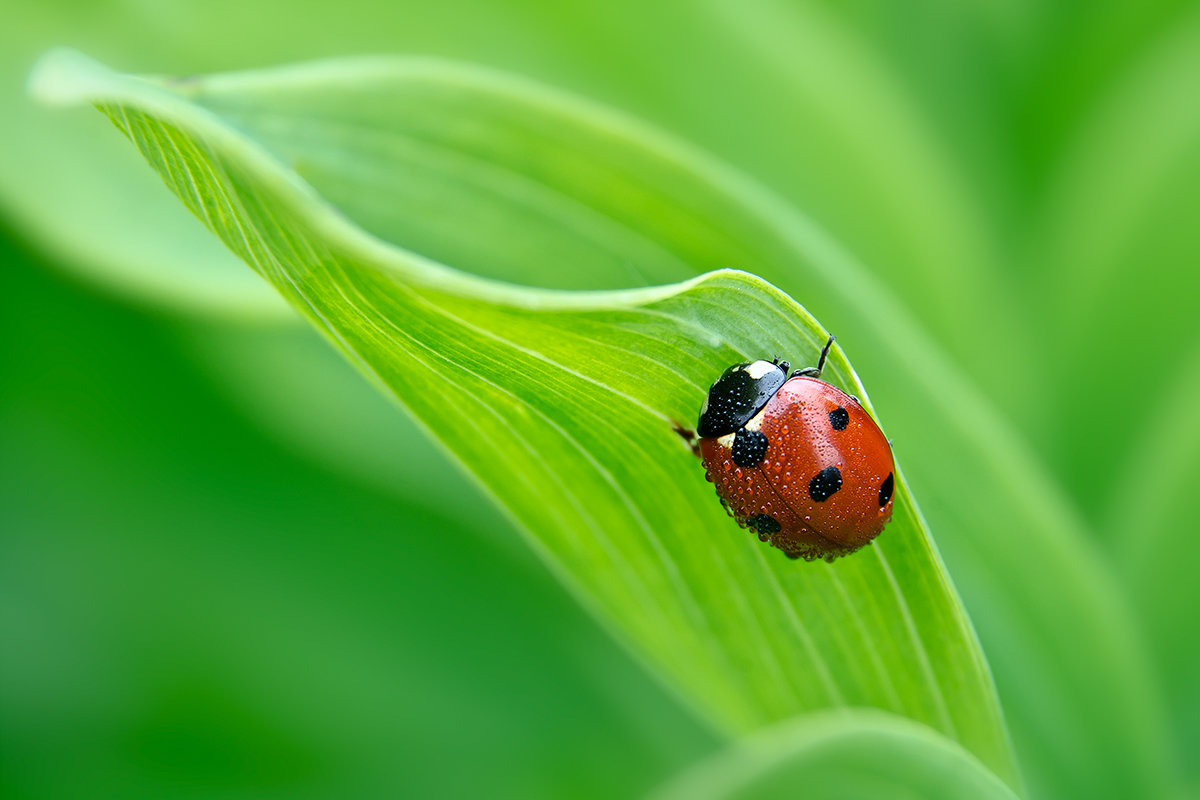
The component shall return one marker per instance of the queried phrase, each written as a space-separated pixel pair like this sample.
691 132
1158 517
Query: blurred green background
220 572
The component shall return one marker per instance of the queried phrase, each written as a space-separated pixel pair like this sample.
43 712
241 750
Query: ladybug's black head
739 394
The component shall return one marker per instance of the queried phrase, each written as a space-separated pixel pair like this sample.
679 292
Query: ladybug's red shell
816 474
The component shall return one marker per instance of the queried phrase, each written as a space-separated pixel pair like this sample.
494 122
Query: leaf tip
65 77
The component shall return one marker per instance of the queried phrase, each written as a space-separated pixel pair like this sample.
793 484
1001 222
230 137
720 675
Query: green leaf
60 177
1119 280
190 610
915 209
88 234
293 384
1155 543
561 404
855 753
543 180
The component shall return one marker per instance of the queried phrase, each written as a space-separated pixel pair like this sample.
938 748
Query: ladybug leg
783 365
815 372
824 354
688 436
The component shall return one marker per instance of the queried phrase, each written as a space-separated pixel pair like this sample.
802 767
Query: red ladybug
796 460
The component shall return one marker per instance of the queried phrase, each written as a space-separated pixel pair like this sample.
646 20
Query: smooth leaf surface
100 240
562 404
59 190
293 384
1119 234
557 192
934 245
844 755
1155 543
188 609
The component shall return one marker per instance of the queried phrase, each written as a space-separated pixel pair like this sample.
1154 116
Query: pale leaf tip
66 77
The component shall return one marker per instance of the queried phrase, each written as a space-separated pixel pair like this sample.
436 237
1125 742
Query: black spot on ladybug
885 490
825 484
763 523
839 418
749 448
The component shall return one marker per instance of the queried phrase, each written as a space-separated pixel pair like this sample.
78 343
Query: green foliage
294 631
1016 184
562 404
1156 546
848 755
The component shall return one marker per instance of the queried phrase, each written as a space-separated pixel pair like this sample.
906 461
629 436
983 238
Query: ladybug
795 459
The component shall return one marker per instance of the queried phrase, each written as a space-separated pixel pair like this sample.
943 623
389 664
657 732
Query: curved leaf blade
1155 546
562 405
853 753
1052 618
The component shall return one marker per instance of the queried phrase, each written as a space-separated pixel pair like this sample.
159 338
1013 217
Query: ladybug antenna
824 354
815 372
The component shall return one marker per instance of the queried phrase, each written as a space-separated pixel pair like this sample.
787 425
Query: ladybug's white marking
756 421
759 369
754 424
